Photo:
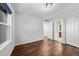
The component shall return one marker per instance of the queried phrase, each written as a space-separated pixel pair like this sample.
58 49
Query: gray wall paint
28 28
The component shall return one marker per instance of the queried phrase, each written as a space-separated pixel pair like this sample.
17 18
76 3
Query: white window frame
8 24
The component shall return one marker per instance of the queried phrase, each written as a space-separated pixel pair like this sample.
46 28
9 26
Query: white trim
11 16
9 39
28 42
8 36
3 45
10 26
3 23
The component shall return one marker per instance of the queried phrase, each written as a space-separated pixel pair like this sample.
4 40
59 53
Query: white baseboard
27 42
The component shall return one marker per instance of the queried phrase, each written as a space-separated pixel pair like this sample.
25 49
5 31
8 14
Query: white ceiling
39 9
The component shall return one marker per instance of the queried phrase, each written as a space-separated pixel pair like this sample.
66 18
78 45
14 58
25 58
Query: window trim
8 24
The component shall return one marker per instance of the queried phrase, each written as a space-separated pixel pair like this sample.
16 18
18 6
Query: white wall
28 28
56 30
72 31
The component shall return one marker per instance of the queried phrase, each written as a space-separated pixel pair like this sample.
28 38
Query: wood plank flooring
45 47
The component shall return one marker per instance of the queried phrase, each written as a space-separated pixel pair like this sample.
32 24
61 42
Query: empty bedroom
39 29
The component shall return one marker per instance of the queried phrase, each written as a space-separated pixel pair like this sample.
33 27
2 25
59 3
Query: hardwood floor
45 47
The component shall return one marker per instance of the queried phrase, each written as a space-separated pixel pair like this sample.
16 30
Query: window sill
3 45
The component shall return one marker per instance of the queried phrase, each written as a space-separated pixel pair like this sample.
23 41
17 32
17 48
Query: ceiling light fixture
48 5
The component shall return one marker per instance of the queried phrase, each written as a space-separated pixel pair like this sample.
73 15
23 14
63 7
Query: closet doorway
59 30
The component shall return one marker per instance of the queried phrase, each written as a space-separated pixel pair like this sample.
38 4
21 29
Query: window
4 26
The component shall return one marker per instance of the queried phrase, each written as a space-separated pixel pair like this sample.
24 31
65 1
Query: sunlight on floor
57 48
45 46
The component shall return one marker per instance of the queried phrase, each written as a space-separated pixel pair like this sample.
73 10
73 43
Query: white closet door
72 32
